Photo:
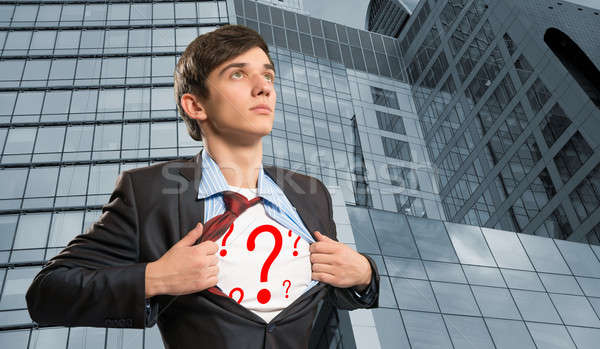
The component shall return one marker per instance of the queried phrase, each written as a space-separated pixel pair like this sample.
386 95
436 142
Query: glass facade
386 17
509 121
410 135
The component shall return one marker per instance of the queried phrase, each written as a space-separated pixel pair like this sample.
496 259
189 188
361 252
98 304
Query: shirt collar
213 182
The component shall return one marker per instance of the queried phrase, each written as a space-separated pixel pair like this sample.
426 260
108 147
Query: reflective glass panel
469 244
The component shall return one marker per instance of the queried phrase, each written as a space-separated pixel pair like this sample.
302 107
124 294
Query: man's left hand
339 265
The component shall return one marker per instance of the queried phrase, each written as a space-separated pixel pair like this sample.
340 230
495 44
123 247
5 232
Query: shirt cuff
366 296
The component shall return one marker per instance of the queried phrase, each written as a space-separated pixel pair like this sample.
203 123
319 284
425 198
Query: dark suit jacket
98 280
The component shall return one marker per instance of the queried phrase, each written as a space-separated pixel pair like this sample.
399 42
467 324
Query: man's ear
193 107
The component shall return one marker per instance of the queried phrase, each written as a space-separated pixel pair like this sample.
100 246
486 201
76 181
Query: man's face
242 97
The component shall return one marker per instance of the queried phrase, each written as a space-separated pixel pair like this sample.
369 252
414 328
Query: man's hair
202 56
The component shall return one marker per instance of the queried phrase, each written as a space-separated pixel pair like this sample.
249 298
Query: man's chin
250 137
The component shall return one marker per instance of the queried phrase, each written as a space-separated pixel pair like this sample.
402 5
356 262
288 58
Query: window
72 180
29 103
113 70
25 13
385 98
586 197
186 10
65 226
184 36
115 41
403 176
50 139
163 39
41 182
140 40
410 205
163 13
118 14
102 178
141 13
107 137
88 70
110 100
572 156
16 177
94 14
92 42
538 95
79 138
11 72
84 101
136 136
62 70
42 42
162 98
67 42
48 13
32 230
396 149
554 124
389 122
17 42
72 14
19 141
137 99
7 102
163 135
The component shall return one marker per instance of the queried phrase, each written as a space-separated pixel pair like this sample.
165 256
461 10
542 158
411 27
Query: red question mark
288 288
296 245
264 295
223 251
241 294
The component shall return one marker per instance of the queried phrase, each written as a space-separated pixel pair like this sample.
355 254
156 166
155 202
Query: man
137 266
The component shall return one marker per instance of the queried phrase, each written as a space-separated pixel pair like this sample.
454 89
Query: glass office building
386 17
508 96
86 92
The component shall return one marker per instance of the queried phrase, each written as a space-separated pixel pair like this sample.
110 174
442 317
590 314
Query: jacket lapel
191 209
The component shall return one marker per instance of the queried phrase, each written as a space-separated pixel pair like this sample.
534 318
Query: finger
323 268
321 237
322 258
213 260
323 247
323 277
190 238
208 247
213 270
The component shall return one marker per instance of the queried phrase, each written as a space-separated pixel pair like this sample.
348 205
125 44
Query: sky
330 10
588 3
336 10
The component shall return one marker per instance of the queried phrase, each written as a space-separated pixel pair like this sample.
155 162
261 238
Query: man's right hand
185 268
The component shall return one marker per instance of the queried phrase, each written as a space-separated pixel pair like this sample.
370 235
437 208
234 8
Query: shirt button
271 327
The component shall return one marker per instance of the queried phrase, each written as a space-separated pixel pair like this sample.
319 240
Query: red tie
212 230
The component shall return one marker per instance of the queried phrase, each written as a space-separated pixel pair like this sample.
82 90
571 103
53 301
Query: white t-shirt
240 269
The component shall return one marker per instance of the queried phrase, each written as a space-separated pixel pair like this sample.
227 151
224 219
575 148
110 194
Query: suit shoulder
158 168
279 172
292 178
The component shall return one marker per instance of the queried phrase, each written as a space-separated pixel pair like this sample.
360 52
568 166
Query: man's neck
239 165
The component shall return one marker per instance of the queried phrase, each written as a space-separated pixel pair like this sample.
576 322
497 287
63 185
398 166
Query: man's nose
261 86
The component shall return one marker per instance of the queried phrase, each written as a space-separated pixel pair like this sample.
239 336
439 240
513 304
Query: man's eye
237 75
270 77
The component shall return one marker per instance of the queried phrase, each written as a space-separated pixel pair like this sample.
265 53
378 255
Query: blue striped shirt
277 206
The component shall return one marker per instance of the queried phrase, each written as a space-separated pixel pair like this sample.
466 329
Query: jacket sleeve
97 280
349 298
